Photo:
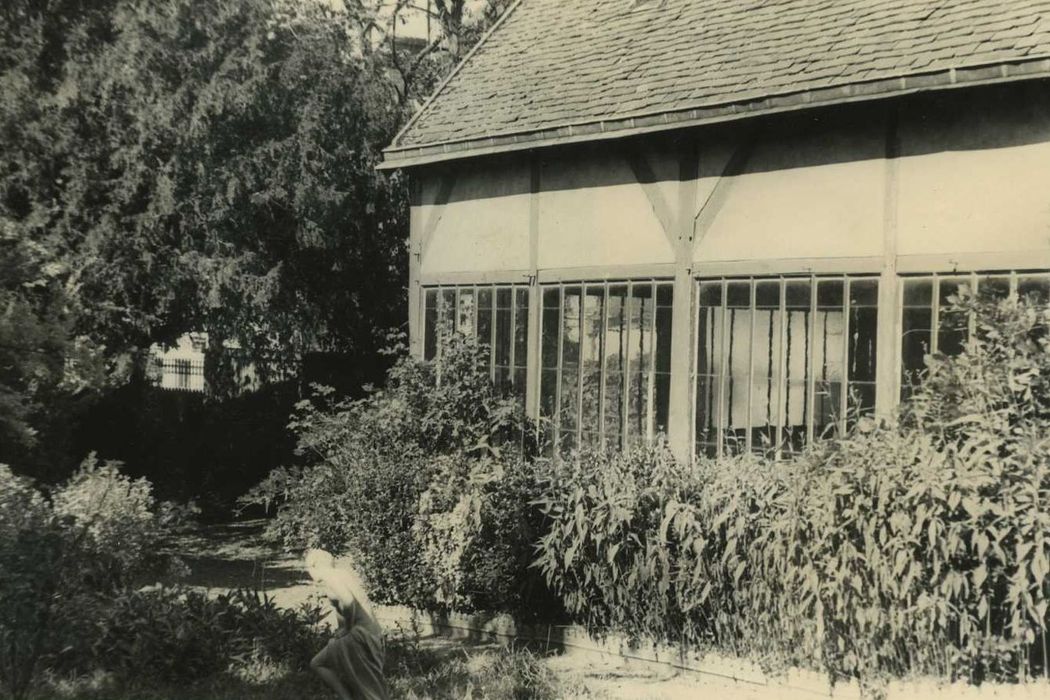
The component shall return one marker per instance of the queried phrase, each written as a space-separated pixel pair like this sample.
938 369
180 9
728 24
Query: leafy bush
478 531
407 480
916 547
180 635
34 568
114 515
61 559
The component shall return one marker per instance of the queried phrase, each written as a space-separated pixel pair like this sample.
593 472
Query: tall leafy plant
379 470
919 546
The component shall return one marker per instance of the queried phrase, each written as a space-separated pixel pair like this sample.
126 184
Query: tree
193 165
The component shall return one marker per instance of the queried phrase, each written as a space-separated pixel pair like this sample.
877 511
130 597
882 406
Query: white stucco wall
803 196
975 180
970 180
593 212
485 224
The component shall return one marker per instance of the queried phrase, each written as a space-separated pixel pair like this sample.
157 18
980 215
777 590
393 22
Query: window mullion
935 315
625 388
513 334
694 374
650 389
494 333
559 368
971 318
781 371
750 369
844 398
474 312
581 364
811 362
722 424
603 353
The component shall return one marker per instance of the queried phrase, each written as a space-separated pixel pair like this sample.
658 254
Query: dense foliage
199 165
919 547
63 557
423 481
179 635
71 563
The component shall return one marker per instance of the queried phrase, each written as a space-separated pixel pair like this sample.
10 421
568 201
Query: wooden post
679 419
887 360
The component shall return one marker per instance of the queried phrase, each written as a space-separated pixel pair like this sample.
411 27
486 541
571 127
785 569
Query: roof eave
396 157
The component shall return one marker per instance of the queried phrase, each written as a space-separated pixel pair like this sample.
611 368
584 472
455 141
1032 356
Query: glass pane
550 325
797 294
640 318
797 352
665 295
864 292
615 358
764 386
767 295
863 338
548 392
915 344
918 292
662 388
521 329
572 306
765 367
863 329
430 322
504 337
736 404
952 323
593 350
484 302
1035 288
993 287
829 346
738 294
465 316
447 310
708 367
830 294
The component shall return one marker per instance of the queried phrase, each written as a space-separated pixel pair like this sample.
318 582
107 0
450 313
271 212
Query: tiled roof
557 68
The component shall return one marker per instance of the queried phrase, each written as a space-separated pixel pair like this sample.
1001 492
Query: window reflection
771 360
612 375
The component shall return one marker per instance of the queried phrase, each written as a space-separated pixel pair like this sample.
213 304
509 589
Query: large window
781 361
497 315
928 324
605 371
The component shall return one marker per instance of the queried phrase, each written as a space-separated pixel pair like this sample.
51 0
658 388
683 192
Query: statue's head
318 562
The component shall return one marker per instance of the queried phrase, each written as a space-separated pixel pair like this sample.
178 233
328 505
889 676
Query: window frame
629 285
515 288
974 279
782 281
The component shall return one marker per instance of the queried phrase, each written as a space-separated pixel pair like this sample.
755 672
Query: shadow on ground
235 555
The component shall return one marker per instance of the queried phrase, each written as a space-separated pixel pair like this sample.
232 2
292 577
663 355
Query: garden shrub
175 635
478 531
62 559
387 480
920 546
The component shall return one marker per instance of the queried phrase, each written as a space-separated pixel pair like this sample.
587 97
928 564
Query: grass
416 670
